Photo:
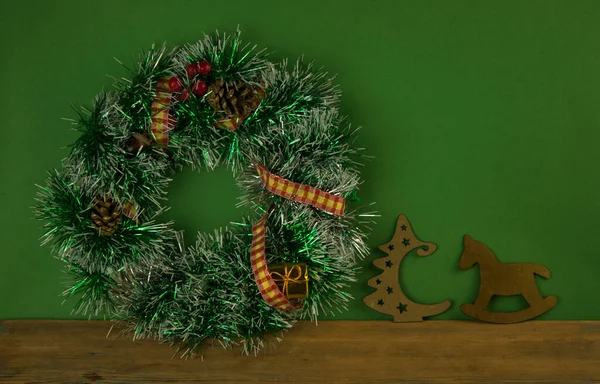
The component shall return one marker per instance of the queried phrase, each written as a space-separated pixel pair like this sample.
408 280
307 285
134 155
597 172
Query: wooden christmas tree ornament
389 298
503 279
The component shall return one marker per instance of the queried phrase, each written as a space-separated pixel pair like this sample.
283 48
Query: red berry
203 68
184 95
174 84
199 88
192 70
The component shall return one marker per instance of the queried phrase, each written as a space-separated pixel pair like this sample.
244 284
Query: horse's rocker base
509 317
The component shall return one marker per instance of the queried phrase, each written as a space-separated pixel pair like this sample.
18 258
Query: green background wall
483 117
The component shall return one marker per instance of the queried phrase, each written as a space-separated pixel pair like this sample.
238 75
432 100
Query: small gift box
292 279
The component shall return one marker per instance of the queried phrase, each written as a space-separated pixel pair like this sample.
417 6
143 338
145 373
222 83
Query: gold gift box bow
294 274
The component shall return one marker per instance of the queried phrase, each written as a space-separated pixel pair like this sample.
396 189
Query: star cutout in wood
388 264
377 281
403 227
402 307
389 290
391 247
380 302
406 242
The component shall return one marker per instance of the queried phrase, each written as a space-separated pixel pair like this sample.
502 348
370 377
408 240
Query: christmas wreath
203 105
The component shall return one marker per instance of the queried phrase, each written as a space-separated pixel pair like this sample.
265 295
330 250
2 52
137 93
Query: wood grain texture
332 352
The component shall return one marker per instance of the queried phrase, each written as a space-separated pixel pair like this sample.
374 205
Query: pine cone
233 98
106 215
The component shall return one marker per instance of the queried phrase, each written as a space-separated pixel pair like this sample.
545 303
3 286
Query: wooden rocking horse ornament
389 298
503 279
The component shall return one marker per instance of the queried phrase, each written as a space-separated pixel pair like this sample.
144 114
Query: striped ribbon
302 193
162 122
267 287
293 191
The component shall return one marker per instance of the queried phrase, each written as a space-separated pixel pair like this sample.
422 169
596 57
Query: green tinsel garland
143 273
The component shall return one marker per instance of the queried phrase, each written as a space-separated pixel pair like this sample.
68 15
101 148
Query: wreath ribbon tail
302 193
258 257
162 122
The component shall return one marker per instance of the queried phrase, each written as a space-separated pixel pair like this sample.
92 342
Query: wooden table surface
47 351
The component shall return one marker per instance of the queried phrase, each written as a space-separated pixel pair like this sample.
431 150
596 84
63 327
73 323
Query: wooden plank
333 352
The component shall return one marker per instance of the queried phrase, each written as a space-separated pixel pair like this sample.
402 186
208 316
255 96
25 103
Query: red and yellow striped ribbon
267 287
302 193
317 198
161 121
